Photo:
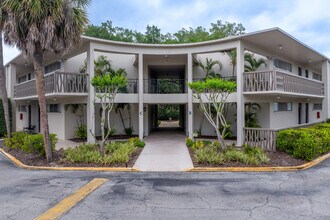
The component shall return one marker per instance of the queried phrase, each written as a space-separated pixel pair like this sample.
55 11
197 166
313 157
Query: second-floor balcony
55 83
278 81
165 86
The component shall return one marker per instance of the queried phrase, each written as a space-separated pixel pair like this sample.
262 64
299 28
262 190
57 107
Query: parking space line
70 201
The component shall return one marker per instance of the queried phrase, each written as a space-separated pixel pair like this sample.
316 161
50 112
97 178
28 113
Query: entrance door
307 112
30 115
299 113
39 129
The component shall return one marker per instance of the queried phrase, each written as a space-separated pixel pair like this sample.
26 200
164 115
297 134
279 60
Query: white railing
58 82
278 80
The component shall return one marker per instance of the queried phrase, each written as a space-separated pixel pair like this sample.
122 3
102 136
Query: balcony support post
190 96
91 97
141 109
240 97
326 80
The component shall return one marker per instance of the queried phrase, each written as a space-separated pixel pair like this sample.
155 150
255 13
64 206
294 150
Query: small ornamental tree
212 95
106 87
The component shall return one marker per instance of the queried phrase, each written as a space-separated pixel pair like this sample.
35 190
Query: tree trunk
103 131
40 84
201 125
3 91
220 139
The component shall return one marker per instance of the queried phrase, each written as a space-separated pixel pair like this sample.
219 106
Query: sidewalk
164 151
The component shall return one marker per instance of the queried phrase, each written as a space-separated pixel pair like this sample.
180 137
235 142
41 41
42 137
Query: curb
195 169
262 169
98 169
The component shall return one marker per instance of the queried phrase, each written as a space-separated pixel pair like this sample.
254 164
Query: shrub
30 143
81 132
189 142
123 153
137 142
209 153
129 131
305 143
116 152
17 140
86 153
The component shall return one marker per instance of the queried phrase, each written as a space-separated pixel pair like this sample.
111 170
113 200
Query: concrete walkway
165 150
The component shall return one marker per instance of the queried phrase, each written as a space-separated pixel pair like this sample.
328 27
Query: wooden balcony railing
264 138
58 82
278 80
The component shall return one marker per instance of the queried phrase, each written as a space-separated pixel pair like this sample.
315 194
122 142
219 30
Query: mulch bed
36 160
114 137
277 159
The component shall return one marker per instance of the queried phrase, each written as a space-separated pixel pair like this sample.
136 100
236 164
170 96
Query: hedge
3 129
305 143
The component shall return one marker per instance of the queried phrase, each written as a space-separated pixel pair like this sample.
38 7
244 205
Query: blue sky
308 21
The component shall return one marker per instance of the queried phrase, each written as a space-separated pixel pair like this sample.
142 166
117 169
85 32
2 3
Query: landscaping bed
28 149
277 159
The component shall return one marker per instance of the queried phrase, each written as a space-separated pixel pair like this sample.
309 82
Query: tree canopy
154 35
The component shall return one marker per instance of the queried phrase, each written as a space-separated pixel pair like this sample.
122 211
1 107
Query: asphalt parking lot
26 194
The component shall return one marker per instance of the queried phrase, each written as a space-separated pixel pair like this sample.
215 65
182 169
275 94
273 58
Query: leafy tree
251 63
219 30
209 73
153 34
38 27
212 95
106 86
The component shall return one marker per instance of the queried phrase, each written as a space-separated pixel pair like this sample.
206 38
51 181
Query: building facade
292 88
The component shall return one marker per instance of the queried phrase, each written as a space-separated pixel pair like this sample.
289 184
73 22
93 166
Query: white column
326 81
11 81
141 112
240 98
190 96
91 96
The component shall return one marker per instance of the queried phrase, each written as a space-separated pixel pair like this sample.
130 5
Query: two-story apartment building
292 88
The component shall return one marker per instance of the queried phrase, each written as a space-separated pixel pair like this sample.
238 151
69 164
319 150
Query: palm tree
232 54
40 26
251 110
252 64
209 73
3 90
208 68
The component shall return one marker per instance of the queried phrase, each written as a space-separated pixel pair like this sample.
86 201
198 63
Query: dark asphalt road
305 194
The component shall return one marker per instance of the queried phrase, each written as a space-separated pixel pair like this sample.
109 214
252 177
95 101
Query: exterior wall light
280 47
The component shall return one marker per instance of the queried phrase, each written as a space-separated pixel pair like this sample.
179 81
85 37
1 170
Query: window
283 65
53 108
306 73
299 71
21 79
21 108
52 67
317 106
317 76
282 106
